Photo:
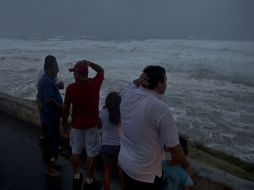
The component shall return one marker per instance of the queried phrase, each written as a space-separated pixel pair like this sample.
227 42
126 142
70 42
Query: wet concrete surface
21 160
22 168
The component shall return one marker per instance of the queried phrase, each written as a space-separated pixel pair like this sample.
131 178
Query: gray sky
118 19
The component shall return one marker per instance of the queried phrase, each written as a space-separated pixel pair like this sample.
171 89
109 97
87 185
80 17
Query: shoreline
209 166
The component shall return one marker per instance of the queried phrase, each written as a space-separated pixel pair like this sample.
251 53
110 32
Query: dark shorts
130 183
109 154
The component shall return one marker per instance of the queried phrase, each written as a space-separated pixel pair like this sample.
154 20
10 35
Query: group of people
139 137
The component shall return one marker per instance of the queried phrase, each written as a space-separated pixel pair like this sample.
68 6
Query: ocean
210 85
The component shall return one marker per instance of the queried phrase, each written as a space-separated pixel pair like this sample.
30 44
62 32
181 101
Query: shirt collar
53 78
143 90
81 81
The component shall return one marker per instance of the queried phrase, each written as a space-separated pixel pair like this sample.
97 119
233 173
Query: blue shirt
48 90
174 177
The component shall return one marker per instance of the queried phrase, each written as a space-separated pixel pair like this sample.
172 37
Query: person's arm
94 66
179 156
142 80
47 92
54 103
170 139
66 108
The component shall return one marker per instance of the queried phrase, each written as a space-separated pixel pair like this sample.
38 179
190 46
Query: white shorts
88 138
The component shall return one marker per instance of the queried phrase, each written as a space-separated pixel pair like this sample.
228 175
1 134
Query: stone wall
19 108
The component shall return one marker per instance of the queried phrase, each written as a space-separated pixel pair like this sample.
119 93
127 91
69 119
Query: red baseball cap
80 67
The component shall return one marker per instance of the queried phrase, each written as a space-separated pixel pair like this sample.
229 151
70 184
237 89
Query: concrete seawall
204 169
22 109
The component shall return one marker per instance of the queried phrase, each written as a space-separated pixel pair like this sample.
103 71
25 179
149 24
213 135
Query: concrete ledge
218 176
24 110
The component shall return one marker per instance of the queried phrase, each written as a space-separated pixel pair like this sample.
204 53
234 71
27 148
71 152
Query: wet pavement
21 160
22 168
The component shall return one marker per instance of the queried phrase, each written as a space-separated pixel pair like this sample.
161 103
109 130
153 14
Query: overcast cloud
118 19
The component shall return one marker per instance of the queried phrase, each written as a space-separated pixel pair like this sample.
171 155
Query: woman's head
112 103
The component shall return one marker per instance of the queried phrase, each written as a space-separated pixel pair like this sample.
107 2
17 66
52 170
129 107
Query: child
110 124
174 176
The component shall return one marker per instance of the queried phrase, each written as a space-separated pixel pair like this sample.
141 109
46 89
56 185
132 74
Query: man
51 103
148 131
60 86
83 95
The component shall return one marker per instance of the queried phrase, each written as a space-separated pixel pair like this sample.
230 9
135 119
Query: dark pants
51 141
131 184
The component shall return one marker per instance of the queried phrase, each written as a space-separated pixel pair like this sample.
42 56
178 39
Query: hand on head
142 80
84 62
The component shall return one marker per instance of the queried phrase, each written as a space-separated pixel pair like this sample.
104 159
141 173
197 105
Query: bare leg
76 163
120 175
107 176
90 166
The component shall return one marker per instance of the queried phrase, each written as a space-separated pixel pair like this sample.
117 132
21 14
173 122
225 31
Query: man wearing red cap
83 96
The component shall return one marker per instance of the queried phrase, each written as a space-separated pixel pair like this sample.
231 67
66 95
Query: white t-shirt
148 126
110 132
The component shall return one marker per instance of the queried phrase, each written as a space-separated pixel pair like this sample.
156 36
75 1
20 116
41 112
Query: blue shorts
109 154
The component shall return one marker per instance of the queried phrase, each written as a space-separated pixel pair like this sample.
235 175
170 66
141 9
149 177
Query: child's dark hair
184 144
112 103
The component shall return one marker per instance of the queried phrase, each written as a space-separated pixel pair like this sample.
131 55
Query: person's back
139 129
110 131
83 96
148 130
85 100
110 123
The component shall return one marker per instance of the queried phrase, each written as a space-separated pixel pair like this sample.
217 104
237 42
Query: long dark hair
112 103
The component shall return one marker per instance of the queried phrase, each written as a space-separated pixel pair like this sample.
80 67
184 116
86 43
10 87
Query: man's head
156 78
80 70
51 66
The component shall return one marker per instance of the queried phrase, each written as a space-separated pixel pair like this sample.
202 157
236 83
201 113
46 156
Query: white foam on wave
210 83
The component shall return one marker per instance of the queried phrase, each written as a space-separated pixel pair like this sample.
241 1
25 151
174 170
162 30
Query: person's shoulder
98 77
43 80
70 86
157 104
